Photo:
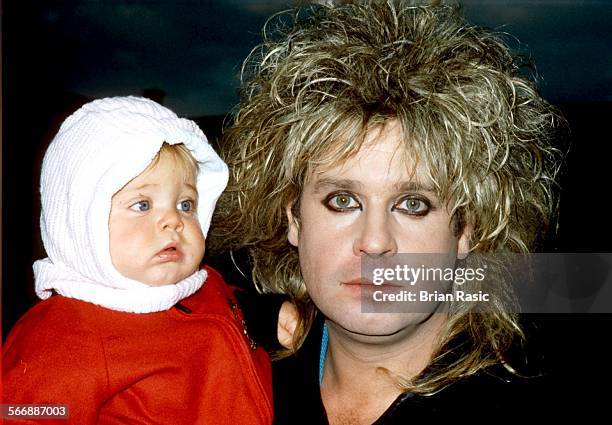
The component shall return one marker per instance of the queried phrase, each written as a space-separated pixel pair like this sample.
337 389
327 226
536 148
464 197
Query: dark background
186 54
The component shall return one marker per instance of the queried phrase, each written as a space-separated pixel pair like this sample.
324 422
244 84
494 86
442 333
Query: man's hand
287 322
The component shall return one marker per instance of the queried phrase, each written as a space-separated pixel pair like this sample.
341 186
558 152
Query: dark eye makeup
412 204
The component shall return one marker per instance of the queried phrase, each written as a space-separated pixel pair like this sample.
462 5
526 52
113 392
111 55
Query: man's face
371 205
155 235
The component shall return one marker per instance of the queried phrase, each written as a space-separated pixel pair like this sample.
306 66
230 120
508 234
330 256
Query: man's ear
463 244
294 228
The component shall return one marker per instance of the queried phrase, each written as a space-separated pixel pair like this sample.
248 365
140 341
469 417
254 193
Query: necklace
323 352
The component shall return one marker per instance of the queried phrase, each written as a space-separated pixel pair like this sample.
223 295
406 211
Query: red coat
188 365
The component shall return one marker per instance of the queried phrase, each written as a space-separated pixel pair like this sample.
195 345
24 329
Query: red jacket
192 364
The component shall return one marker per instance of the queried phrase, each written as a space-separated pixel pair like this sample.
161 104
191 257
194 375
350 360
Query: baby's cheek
196 239
136 236
202 246
128 238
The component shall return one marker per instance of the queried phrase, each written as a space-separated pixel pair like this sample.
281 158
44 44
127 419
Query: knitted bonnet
97 150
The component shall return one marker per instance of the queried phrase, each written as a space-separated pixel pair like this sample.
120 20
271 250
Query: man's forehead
403 172
384 153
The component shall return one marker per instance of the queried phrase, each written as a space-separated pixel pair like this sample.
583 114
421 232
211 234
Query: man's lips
170 253
365 283
359 282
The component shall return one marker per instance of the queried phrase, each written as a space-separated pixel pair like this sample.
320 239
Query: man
373 129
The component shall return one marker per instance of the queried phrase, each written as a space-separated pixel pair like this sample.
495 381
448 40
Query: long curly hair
324 75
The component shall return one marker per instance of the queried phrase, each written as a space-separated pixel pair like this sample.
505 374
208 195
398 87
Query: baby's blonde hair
180 154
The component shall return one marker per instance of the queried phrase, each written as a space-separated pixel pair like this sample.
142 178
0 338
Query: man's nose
375 236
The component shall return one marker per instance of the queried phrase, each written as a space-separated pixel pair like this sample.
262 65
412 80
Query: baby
132 329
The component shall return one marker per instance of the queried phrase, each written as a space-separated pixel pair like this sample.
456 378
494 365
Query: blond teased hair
326 75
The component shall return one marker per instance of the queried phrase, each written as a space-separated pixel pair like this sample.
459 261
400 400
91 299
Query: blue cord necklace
323 352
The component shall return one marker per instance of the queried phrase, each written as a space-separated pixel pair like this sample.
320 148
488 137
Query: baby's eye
141 206
185 206
342 202
412 206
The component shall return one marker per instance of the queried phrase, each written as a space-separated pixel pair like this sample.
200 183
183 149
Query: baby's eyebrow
142 186
192 187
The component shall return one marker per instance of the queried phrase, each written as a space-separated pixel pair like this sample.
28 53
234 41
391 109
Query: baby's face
155 236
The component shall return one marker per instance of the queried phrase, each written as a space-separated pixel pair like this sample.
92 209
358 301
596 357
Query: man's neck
355 386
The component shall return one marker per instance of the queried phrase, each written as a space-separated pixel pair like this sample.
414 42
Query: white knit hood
99 149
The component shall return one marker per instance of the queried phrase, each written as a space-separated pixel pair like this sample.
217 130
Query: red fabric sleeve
48 359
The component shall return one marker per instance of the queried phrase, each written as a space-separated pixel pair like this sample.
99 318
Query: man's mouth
367 285
366 282
358 282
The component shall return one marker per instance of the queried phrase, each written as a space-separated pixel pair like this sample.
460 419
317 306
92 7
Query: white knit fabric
98 149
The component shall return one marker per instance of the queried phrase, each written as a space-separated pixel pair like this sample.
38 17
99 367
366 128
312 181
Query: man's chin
377 326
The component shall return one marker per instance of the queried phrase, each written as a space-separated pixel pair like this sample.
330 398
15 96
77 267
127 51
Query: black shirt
490 396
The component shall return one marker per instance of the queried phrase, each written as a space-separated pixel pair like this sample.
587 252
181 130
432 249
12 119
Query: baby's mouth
171 253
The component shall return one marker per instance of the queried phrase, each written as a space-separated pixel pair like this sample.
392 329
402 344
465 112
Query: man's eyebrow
330 182
348 184
413 186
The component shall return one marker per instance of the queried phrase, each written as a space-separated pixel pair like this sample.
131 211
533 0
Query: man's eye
342 202
185 206
412 206
141 206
